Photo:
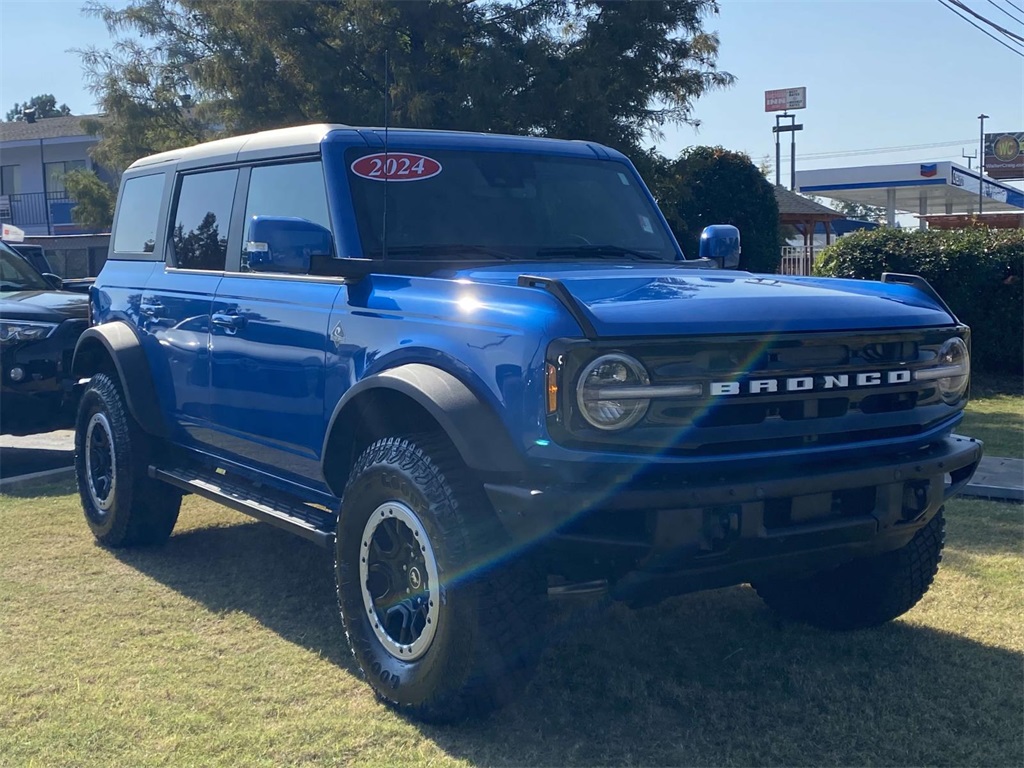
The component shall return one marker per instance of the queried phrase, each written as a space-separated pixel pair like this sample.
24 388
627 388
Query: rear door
269 337
176 304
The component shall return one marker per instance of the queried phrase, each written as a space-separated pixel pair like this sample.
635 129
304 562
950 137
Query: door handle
234 322
151 309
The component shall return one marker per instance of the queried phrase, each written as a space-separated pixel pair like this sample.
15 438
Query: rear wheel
863 593
440 626
122 505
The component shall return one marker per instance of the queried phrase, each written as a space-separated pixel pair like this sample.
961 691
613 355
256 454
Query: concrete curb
994 492
35 478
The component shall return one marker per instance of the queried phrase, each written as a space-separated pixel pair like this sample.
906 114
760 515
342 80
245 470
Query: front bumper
654 535
40 397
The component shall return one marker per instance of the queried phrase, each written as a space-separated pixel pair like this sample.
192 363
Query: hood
45 306
640 300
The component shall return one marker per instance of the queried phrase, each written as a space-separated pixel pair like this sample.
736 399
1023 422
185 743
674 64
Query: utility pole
972 156
981 163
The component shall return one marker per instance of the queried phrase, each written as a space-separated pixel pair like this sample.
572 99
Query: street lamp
981 163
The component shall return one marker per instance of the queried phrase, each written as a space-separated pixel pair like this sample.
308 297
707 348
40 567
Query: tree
185 70
45 105
94 199
712 185
861 212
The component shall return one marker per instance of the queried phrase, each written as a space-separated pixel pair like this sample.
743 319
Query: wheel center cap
415 579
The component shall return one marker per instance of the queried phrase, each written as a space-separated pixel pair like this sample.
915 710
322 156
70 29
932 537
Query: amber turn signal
552 388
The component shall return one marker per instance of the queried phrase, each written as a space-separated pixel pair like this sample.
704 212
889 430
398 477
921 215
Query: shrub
977 271
712 185
94 199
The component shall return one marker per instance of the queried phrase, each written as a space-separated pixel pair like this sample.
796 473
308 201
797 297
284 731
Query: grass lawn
223 647
995 414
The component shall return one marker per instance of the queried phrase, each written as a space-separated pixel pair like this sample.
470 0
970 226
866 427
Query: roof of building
999 220
922 188
45 128
794 205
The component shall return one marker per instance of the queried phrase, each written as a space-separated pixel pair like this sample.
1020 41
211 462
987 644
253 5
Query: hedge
977 271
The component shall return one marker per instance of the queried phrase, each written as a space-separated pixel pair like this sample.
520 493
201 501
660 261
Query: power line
1012 5
997 27
1005 45
994 4
884 150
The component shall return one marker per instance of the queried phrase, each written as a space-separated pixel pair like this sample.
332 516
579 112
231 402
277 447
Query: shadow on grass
711 678
283 581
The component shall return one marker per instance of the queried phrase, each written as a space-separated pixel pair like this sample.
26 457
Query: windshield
16 274
503 205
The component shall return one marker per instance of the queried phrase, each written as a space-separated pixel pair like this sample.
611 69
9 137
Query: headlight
604 396
952 371
13 331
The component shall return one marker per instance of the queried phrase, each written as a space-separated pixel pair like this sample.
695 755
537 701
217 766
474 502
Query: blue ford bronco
480 370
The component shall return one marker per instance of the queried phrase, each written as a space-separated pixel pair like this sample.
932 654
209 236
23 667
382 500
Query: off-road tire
865 592
488 635
138 510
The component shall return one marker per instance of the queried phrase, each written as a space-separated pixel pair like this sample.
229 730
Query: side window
202 215
294 190
137 214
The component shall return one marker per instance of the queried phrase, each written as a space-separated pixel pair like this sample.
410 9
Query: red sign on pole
785 99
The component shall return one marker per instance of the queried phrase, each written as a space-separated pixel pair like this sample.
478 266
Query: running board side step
267 506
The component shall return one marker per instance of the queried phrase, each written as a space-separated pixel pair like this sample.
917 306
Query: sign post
783 100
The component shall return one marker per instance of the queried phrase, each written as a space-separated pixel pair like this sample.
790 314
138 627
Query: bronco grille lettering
809 383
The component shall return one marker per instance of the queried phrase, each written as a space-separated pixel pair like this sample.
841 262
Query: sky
879 74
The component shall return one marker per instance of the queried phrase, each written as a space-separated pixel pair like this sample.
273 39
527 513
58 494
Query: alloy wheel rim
399 581
100 462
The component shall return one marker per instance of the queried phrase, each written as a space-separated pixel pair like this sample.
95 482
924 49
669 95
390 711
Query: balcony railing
51 210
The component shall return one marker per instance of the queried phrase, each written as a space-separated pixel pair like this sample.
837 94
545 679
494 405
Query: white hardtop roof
922 188
298 140
305 140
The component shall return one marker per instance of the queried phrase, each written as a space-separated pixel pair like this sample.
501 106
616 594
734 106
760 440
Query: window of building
55 173
203 212
137 214
10 179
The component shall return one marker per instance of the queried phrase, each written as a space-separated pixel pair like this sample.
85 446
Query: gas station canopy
912 188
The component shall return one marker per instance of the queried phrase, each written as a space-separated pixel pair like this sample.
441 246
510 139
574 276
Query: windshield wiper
598 252
12 287
455 250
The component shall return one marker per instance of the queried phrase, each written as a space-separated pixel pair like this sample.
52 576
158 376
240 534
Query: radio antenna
387 114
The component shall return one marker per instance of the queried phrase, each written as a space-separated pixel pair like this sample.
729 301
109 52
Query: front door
269 339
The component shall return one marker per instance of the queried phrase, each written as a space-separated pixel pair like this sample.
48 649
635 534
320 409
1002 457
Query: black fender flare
124 349
470 423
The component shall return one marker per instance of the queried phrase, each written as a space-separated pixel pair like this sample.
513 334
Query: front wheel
122 505
440 626
865 592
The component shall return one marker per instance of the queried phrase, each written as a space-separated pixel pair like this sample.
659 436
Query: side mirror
285 244
721 244
55 281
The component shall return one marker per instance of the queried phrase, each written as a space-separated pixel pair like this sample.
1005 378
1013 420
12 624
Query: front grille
765 421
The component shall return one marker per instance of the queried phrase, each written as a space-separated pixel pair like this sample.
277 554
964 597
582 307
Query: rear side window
202 215
137 214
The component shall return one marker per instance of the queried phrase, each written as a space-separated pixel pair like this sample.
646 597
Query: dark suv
478 368
39 327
